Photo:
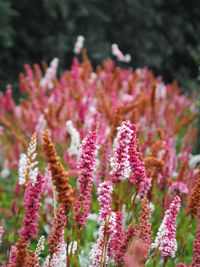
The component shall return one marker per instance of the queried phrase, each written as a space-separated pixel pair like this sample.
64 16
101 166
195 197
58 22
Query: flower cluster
119 55
27 165
99 253
50 74
145 233
79 44
107 203
115 243
57 234
178 187
194 202
88 153
166 236
59 176
32 204
75 138
196 252
105 190
139 175
40 247
120 162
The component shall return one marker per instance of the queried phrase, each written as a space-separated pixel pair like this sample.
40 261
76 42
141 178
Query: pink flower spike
105 197
87 162
120 162
100 250
178 187
196 250
12 256
116 242
166 236
32 204
139 176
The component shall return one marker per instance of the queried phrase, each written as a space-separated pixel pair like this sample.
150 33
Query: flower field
97 169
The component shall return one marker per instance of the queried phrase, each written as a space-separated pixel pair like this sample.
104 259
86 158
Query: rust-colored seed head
21 254
59 223
182 170
31 260
152 162
59 175
144 224
194 201
116 121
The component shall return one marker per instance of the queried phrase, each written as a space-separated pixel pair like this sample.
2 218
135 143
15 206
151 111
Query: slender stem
116 196
187 230
18 214
54 200
165 262
155 257
105 241
133 208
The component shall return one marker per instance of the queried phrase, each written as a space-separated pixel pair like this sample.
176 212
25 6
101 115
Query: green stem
54 200
105 241
184 243
18 214
155 257
165 262
133 209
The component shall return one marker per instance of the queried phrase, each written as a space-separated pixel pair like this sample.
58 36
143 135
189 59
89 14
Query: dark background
161 34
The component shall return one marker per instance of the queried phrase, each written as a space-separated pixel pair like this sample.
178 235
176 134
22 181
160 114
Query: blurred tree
164 35
6 39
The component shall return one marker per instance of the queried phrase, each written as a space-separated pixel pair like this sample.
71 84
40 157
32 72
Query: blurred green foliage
164 35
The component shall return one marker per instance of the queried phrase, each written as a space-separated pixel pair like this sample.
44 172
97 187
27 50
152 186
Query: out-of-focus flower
72 247
50 74
1 233
75 138
40 126
194 159
130 234
79 44
136 253
27 164
12 256
119 55
22 170
5 172
161 91
178 187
